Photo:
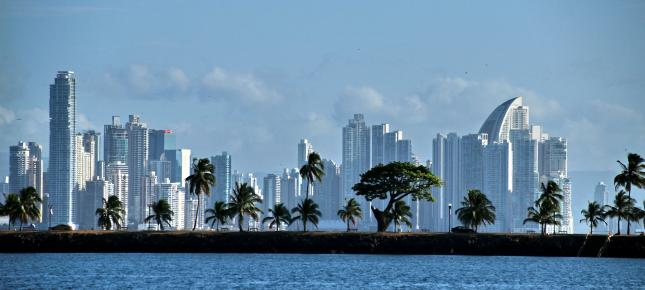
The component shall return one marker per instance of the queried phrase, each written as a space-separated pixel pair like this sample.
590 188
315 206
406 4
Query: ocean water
296 271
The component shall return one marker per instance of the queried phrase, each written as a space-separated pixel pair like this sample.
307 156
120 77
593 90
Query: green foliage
313 170
350 212
161 213
201 181
111 213
395 181
401 214
219 214
243 202
623 208
631 175
476 210
307 211
593 215
279 215
23 206
545 214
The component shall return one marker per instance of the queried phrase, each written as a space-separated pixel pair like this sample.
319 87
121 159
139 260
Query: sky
253 78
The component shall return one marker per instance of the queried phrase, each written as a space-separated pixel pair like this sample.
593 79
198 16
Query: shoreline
485 244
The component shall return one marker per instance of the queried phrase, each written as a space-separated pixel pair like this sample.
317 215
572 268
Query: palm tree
543 215
307 211
243 202
279 214
219 214
11 208
350 212
162 213
313 170
401 214
622 208
111 213
551 193
476 210
592 215
201 181
631 174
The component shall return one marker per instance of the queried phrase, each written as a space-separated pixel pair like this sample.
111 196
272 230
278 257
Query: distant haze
254 79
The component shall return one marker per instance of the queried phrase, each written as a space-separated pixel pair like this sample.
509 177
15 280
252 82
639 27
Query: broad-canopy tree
394 182
476 209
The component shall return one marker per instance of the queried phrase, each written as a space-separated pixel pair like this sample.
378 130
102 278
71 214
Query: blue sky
254 78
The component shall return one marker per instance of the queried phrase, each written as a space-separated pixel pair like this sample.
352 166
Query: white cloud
6 116
83 123
179 78
243 87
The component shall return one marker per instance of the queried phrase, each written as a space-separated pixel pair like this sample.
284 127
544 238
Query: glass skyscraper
62 128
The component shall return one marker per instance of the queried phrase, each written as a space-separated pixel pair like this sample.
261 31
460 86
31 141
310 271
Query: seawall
324 242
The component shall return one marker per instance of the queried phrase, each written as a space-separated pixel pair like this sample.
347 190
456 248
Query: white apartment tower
62 147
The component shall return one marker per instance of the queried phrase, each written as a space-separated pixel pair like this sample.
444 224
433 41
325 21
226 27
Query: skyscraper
115 142
304 149
26 169
525 177
378 146
291 187
117 173
223 181
390 142
62 148
271 191
471 162
329 196
90 199
404 151
356 152
160 141
356 158
498 183
137 166
601 196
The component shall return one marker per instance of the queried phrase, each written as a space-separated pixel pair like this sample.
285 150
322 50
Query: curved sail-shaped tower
498 123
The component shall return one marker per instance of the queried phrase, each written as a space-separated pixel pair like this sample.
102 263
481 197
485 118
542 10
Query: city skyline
316 84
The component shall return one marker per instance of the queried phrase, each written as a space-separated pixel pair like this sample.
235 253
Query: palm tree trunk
21 224
629 194
196 212
217 226
240 221
348 225
308 185
619 225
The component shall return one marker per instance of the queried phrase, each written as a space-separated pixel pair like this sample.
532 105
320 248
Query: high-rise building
498 183
291 187
445 165
137 166
91 147
271 191
149 194
90 199
117 173
159 142
62 148
601 196
390 142
181 164
525 177
378 146
329 195
115 142
404 151
356 158
471 162
499 123
26 169
304 149
175 196
223 184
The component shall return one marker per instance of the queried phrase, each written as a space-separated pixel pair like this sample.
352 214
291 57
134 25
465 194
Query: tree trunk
618 225
348 225
629 194
217 226
308 185
382 220
21 224
304 224
240 221
591 230
197 212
